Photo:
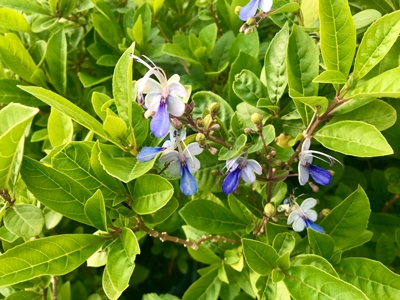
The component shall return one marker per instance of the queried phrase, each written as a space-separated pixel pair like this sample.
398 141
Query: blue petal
148 153
249 10
160 123
320 175
313 226
188 183
231 181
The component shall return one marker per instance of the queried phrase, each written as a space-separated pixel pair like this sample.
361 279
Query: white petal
175 168
254 165
308 204
168 144
304 174
174 78
148 86
247 174
169 156
175 106
265 5
193 164
312 215
149 113
152 101
299 225
306 145
177 89
233 163
294 215
193 149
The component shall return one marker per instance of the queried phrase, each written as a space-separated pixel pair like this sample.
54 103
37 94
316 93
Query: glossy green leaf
315 261
315 103
205 288
260 257
9 92
10 19
33 259
237 124
321 244
208 163
24 5
366 17
106 28
89 80
56 59
237 148
376 43
348 220
383 85
338 35
25 295
371 277
115 127
60 128
312 283
15 118
150 193
289 7
268 135
24 220
122 86
7 236
302 63
385 249
392 176
283 243
161 214
95 211
67 7
309 10
331 76
266 289
204 255
377 113
249 88
246 43
71 195
275 65
210 217
353 138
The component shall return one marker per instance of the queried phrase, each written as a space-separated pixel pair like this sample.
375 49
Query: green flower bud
257 118
201 139
214 107
269 210
237 10
325 212
250 21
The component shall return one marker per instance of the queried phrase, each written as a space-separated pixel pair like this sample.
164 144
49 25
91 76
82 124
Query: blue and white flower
306 168
240 167
303 216
162 98
249 10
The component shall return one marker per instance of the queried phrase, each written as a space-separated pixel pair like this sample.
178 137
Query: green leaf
210 217
122 86
15 119
208 163
137 31
24 220
260 257
353 138
120 264
115 127
220 54
207 36
25 6
67 107
249 88
365 17
377 113
204 255
71 195
321 244
106 28
331 76
338 35
289 7
383 85
315 103
60 128
9 92
89 80
237 148
266 289
162 214
205 288
12 20
385 249
34 258
56 59
246 43
25 295
392 176
95 211
309 10
371 277
283 243
237 124
120 164
312 283
348 220
376 43
315 261
150 193
302 63
269 136
275 65
67 7
7 236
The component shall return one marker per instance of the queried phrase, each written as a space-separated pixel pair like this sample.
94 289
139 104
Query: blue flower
249 10
184 164
240 167
162 98
303 216
306 168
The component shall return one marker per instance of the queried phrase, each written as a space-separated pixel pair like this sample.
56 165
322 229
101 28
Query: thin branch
389 204
54 280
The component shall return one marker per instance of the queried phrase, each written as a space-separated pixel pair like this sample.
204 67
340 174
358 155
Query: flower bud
250 21
269 210
332 172
214 107
273 153
200 122
201 139
256 118
215 127
189 107
247 130
237 10
213 150
177 124
278 162
248 30
215 173
243 27
325 212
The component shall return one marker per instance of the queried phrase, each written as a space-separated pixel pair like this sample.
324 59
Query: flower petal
249 10
294 215
175 106
313 226
193 164
299 224
320 175
306 145
304 174
175 168
312 215
159 125
265 5
177 89
169 155
308 204
233 163
152 101
188 183
148 86
248 174
254 165
148 153
231 181
193 149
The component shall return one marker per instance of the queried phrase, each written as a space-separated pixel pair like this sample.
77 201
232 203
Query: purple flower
240 167
306 168
303 216
162 98
249 10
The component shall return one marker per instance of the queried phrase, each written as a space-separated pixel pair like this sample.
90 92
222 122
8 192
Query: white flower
303 216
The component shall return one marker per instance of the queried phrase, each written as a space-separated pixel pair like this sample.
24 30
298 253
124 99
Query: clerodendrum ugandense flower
320 175
249 10
162 98
240 167
184 164
303 216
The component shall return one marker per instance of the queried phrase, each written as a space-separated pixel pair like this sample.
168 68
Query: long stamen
331 158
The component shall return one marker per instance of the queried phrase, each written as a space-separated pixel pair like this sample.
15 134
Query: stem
54 280
389 204
215 18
